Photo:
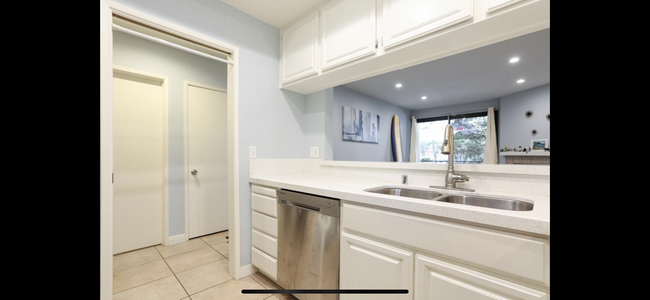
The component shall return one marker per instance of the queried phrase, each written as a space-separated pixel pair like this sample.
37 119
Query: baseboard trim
176 239
245 271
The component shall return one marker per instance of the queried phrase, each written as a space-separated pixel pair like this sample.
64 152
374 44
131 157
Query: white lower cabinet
368 264
265 230
382 249
439 280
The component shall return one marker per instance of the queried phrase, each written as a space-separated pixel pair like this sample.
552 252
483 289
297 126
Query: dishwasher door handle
300 206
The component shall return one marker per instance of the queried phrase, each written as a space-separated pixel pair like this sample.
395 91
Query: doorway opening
113 13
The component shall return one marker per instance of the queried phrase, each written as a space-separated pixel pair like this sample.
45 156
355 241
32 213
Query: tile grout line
210 286
138 265
173 273
142 285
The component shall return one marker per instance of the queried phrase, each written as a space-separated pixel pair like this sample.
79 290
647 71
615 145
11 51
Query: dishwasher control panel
321 204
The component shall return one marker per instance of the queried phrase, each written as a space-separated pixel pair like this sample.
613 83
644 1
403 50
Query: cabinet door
300 48
495 5
347 31
438 280
368 264
404 20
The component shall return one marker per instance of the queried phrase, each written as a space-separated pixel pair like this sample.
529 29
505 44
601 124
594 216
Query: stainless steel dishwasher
308 243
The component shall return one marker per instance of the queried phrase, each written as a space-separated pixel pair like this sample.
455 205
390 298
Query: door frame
164 80
107 8
186 145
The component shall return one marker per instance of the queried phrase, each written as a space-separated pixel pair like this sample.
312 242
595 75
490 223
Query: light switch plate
252 152
313 152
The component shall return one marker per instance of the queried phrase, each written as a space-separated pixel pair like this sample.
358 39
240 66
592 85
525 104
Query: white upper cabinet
404 20
347 31
496 5
300 48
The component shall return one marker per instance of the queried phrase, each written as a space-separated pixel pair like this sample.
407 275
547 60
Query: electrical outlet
252 152
313 152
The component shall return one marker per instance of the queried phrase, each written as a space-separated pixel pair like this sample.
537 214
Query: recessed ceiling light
424 97
514 60
520 81
399 85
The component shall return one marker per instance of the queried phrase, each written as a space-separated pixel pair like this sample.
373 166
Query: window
470 132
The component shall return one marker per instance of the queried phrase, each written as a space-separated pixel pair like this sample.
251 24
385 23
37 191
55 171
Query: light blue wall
514 128
359 151
318 122
458 108
177 65
269 118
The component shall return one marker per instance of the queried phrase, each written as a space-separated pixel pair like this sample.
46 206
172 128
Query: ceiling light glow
514 60
520 81
424 97
399 85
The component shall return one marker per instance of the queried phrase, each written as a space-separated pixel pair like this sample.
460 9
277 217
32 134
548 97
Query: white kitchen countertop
534 221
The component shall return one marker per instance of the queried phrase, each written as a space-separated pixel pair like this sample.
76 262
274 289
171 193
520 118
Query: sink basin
489 202
403 191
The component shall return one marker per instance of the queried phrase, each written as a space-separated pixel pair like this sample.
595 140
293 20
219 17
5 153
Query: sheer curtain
414 156
491 151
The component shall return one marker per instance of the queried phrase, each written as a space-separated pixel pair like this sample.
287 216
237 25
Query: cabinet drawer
265 224
264 191
267 244
266 264
264 204
509 253
438 280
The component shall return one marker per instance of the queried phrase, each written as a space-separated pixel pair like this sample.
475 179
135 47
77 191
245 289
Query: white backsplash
519 179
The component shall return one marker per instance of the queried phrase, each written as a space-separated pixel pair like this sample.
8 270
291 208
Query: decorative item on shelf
534 132
529 114
505 148
525 149
520 149
539 145
548 117
547 150
500 150
360 126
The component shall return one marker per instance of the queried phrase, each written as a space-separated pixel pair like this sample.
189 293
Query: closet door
207 160
137 161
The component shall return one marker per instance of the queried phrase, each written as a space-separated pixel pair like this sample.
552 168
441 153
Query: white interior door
207 160
138 161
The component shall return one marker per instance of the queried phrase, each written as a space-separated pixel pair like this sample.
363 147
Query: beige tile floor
196 270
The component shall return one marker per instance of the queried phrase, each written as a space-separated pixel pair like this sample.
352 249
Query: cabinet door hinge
112 177
376 43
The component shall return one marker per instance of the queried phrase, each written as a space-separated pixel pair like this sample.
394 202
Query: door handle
194 172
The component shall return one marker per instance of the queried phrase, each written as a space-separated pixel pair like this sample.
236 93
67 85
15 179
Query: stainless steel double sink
504 203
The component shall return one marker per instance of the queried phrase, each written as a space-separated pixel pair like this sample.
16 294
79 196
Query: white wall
269 118
139 54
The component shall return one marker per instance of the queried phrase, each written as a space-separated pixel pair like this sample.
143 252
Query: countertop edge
476 215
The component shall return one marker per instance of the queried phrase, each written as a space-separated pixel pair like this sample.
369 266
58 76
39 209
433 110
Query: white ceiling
479 74
276 13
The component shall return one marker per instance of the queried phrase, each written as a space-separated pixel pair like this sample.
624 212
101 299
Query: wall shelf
534 153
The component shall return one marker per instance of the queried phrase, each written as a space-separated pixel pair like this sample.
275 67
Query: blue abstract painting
360 126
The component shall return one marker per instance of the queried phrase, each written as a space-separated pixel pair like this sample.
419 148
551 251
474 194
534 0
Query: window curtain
491 152
414 155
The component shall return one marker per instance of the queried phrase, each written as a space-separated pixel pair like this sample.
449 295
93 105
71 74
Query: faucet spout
448 148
